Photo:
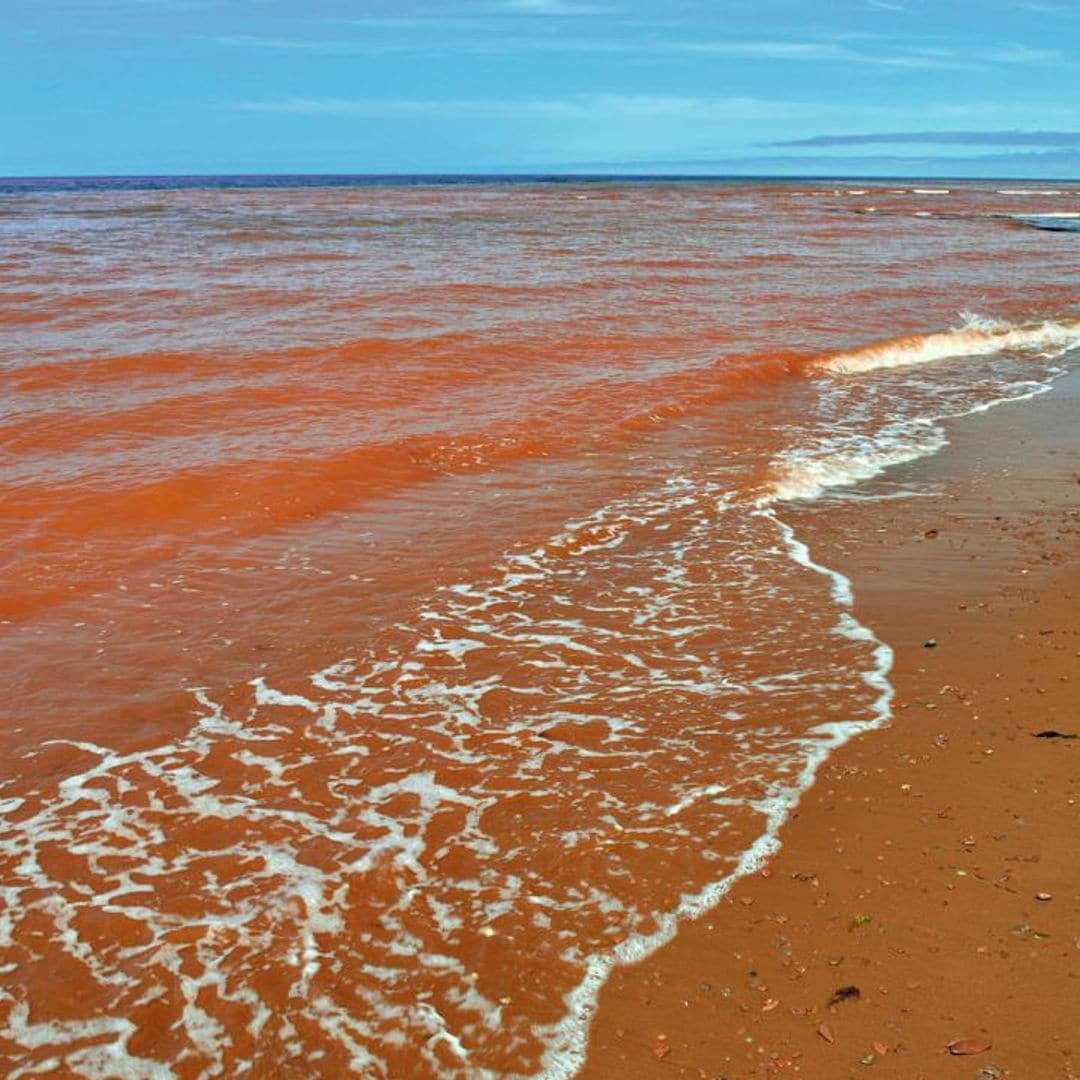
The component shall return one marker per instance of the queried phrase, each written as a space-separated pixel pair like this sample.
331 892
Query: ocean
403 612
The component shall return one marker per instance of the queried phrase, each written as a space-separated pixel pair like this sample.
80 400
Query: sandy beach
926 892
424 608
539 540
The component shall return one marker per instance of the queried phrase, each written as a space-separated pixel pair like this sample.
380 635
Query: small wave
977 337
1063 222
808 475
808 472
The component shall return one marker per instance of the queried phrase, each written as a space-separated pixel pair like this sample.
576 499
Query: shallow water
400 619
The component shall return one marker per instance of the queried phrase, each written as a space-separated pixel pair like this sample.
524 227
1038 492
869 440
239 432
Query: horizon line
543 174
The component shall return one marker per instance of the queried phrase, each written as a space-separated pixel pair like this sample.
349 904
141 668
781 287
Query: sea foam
977 336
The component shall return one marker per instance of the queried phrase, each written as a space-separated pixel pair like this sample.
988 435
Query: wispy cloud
587 106
837 50
938 138
1040 7
768 50
1021 54
252 41
552 7
913 56
822 52
780 114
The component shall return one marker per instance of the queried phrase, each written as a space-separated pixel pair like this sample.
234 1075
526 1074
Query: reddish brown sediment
392 625
344 347
933 864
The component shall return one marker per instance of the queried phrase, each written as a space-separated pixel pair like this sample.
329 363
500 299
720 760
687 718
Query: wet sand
930 874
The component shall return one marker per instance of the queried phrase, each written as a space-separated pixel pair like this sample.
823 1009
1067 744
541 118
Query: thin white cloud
819 52
911 57
289 44
552 7
789 119
584 107
1040 7
770 50
799 51
1021 54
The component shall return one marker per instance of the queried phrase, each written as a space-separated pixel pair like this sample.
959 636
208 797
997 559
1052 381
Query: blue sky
842 87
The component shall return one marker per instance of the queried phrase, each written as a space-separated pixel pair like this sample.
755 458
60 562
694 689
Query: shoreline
910 868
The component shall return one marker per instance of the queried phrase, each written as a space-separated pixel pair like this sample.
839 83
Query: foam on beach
503 649
246 796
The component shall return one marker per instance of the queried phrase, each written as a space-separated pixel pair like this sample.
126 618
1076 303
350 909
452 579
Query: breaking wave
976 337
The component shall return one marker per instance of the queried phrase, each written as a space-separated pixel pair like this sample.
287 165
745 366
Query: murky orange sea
399 621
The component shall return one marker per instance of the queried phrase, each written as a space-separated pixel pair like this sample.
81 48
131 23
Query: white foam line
810 475
1037 390
693 796
810 478
569 1039
568 1044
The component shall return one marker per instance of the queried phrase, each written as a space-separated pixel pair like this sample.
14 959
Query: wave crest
977 336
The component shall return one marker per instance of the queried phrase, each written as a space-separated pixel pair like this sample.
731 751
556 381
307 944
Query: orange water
399 620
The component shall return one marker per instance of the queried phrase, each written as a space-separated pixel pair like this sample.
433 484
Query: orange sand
914 866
